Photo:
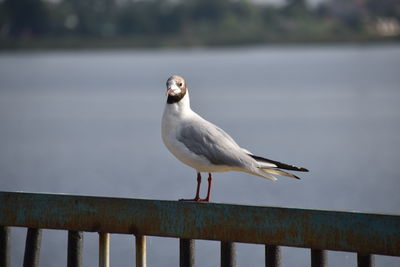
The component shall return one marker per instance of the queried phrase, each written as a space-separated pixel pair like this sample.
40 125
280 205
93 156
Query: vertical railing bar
4 246
228 254
319 258
186 252
365 260
272 256
104 249
141 251
32 247
75 247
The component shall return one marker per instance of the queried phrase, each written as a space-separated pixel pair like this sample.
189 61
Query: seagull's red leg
197 197
207 199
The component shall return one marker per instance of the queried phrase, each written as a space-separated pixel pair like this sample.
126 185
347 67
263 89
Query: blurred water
89 123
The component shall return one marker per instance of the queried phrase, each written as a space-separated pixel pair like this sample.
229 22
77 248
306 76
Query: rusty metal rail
365 234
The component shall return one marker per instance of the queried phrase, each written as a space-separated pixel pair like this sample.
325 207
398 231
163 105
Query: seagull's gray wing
205 139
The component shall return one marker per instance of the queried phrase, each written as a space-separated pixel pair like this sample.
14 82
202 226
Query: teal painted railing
319 230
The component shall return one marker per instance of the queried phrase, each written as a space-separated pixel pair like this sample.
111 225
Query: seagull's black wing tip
280 165
301 169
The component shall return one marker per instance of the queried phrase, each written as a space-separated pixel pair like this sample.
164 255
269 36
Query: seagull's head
176 89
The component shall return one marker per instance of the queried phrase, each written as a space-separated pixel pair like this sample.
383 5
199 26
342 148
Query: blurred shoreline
71 44
115 24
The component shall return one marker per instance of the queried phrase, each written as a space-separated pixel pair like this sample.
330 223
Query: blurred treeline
66 23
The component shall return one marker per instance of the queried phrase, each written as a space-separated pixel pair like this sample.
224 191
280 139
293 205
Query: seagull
207 148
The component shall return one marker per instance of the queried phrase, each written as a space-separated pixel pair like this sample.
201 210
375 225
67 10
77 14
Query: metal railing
319 230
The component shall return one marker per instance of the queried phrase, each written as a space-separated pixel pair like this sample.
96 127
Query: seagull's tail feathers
269 173
269 167
269 163
279 172
261 173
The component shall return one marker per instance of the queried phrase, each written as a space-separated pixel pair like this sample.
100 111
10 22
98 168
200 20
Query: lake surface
89 123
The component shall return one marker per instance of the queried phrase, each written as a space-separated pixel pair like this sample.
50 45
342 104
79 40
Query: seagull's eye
180 84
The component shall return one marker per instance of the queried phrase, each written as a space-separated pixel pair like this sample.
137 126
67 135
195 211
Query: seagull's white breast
175 116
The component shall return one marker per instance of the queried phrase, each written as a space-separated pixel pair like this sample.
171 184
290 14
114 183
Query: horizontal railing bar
329 230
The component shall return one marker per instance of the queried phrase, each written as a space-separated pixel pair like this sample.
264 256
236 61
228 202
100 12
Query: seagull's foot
207 199
196 199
